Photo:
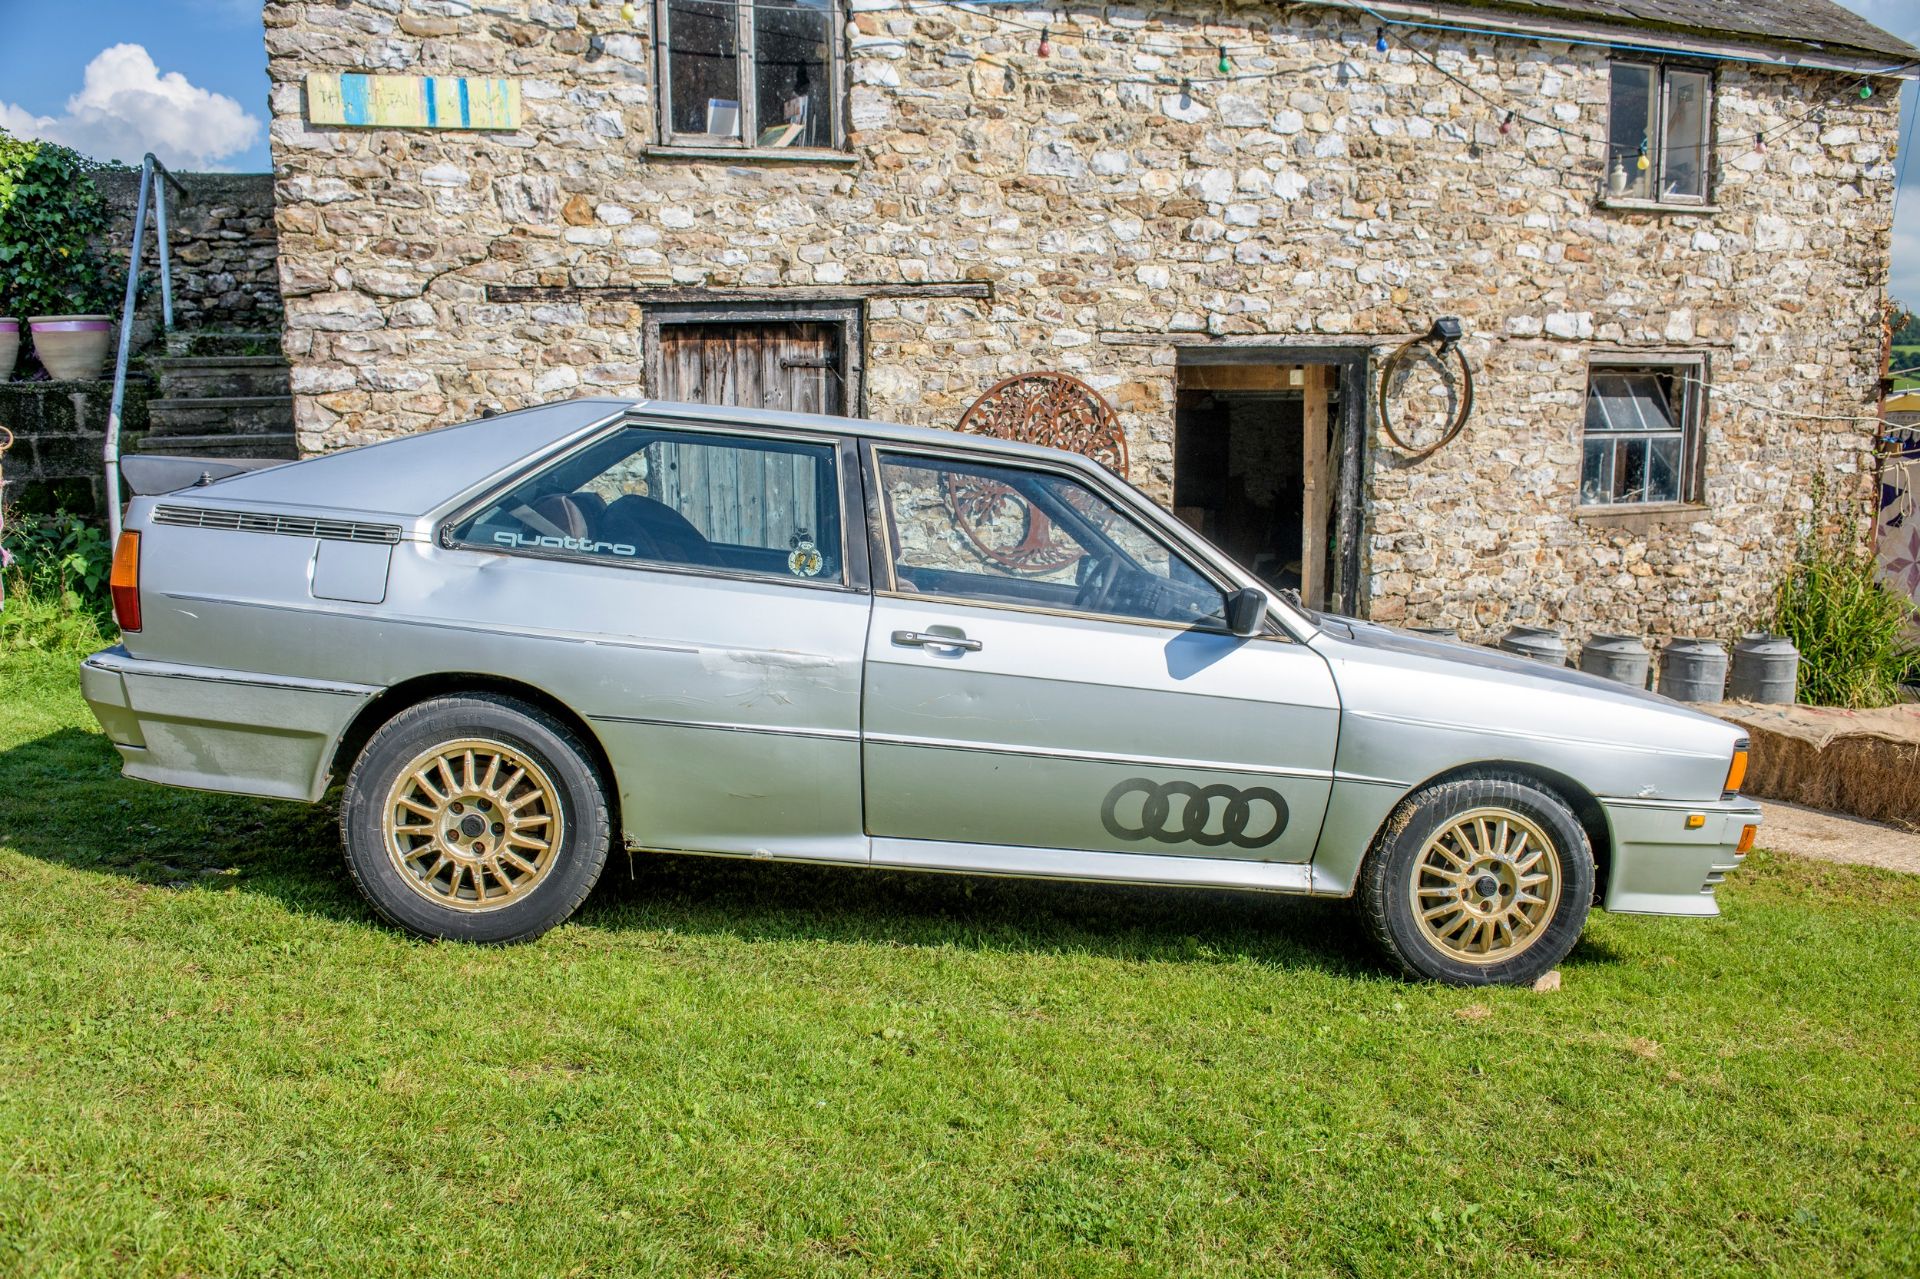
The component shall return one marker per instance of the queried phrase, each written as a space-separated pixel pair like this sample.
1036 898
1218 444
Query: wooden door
792 365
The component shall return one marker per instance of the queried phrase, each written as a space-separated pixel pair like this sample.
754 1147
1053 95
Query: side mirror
1246 610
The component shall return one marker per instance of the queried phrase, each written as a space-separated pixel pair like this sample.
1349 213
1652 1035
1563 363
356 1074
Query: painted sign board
412 102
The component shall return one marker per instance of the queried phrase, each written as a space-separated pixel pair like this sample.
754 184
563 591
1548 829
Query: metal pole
166 265
111 454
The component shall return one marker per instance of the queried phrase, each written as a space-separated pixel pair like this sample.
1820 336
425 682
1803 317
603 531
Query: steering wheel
1096 581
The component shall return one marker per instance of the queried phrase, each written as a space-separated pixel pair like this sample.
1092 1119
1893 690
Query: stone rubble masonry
226 273
1327 194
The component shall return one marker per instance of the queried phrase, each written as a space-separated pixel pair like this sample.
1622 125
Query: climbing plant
53 220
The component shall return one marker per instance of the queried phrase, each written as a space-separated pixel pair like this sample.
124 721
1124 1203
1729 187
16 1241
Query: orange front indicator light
1737 770
1696 820
1745 845
125 582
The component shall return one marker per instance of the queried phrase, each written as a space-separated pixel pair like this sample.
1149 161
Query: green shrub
57 569
51 218
1851 630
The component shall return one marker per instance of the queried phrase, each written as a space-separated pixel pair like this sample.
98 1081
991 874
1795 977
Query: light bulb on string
1506 125
1225 66
1380 39
628 14
1866 91
1760 142
1641 162
1046 42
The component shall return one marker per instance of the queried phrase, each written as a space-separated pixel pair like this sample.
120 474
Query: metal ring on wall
1459 422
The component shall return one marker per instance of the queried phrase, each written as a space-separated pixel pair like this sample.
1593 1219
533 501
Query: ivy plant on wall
52 222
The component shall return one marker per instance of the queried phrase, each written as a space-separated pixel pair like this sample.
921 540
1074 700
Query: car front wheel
1480 881
475 818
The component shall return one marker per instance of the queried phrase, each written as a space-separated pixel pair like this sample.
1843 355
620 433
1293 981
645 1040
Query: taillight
125 581
1737 770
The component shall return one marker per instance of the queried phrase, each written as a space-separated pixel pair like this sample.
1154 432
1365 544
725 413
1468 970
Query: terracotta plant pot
9 346
72 347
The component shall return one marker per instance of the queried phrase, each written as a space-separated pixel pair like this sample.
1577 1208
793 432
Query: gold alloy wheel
1486 886
472 825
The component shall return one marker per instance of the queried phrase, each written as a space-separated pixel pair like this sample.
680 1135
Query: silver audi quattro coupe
712 630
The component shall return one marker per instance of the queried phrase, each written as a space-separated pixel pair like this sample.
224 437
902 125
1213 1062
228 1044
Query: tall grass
1851 630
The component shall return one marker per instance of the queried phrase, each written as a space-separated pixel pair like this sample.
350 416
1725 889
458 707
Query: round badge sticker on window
805 559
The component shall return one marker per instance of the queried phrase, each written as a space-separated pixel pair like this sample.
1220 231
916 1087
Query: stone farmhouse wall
1323 194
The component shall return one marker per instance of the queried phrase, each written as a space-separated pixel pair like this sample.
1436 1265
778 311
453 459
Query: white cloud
126 108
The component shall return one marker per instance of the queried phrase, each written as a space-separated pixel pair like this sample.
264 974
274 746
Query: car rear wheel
1481 881
475 818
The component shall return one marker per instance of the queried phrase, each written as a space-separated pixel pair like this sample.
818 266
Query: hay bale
1866 763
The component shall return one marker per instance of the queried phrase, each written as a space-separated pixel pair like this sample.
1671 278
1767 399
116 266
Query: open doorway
1258 470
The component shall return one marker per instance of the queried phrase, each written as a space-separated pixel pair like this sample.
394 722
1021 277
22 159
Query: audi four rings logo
1251 818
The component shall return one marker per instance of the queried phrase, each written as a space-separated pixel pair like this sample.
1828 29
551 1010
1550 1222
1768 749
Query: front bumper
1659 866
220 730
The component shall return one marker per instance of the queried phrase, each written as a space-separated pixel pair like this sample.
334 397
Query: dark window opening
1640 439
1659 133
750 73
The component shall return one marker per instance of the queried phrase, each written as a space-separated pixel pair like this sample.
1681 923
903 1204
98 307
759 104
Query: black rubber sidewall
1390 910
549 743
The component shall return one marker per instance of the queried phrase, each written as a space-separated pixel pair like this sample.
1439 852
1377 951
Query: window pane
792 40
1629 402
1596 473
1005 535
739 505
703 67
1630 130
1663 469
1683 148
1629 470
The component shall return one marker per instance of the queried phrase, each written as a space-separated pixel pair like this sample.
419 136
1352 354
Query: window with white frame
1641 440
758 74
1659 133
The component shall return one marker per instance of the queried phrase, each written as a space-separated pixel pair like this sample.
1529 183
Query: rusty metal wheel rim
1486 886
473 825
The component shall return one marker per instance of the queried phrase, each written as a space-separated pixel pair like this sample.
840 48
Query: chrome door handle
922 639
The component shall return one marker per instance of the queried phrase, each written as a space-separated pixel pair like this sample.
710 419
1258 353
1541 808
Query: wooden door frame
1351 367
848 315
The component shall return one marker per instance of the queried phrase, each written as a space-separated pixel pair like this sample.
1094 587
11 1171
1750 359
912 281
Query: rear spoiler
150 474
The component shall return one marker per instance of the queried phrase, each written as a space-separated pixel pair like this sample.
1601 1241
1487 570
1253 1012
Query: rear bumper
1659 867
220 730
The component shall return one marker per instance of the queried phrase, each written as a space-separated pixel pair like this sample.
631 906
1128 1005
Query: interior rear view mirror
1246 610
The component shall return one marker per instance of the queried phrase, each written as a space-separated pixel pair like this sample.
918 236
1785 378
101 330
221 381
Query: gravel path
1835 837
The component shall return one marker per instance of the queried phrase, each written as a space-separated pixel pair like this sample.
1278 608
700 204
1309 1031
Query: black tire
1399 866
523 734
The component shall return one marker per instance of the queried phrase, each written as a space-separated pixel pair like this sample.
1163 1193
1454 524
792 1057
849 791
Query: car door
698 593
1045 670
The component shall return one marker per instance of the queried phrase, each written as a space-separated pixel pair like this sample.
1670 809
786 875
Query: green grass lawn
214 1061
1906 357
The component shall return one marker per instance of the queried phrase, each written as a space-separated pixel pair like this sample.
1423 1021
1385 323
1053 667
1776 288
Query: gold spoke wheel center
473 824
1486 886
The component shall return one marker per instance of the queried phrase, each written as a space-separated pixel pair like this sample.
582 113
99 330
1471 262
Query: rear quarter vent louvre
281 525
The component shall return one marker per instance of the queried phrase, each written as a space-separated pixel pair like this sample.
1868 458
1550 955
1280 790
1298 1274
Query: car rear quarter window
648 496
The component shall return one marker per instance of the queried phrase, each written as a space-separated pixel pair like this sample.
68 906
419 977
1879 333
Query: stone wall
1122 200
59 433
225 253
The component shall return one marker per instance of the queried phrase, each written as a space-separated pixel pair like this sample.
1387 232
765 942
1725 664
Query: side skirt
1068 864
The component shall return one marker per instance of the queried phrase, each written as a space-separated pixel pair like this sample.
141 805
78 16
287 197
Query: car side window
1008 535
646 495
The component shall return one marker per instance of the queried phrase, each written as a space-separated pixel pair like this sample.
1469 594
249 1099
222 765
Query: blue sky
187 80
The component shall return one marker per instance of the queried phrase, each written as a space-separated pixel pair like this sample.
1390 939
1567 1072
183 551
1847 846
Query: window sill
1640 515
753 155
1631 204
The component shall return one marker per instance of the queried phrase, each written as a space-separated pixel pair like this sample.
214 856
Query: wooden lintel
668 295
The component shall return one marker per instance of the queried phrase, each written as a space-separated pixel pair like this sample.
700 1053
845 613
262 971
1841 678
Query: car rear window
685 499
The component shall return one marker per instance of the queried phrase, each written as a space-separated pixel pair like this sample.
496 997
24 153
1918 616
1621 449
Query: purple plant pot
9 346
72 347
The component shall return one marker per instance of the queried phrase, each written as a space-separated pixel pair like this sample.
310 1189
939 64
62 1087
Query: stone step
277 445
221 415
210 376
208 342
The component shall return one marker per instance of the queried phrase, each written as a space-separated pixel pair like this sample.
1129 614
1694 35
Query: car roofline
831 424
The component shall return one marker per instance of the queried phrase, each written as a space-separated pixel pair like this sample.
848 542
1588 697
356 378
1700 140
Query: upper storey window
1659 133
754 74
